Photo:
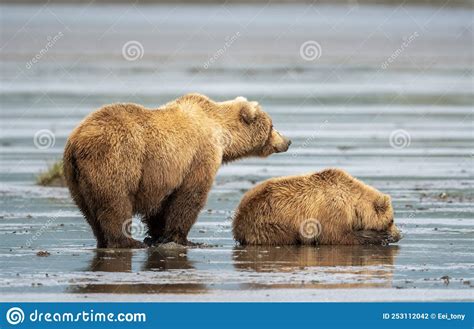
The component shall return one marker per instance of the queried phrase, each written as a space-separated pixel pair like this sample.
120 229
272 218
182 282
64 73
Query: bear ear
248 113
382 203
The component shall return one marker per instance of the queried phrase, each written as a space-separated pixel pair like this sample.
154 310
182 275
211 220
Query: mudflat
384 92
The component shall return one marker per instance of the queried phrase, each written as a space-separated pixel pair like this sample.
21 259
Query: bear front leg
182 211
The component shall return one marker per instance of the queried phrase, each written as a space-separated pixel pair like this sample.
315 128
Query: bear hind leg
182 211
91 219
97 230
156 228
113 219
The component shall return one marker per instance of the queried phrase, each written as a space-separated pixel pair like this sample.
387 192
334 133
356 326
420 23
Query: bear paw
372 237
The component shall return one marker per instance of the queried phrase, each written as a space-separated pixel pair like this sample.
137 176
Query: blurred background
382 89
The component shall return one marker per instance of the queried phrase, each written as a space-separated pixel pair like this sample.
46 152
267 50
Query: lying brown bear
328 208
125 159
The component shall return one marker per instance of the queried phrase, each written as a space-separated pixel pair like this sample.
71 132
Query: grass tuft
53 176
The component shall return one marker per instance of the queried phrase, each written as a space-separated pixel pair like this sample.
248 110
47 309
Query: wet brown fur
350 212
125 159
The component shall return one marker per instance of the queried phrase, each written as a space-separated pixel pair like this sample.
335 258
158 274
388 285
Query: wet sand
405 127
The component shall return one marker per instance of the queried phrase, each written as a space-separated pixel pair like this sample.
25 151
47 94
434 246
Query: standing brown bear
328 207
125 159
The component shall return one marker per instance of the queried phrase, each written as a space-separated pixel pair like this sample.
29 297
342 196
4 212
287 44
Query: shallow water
340 110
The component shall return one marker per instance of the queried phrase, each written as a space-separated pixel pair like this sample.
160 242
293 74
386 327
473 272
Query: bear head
374 211
248 130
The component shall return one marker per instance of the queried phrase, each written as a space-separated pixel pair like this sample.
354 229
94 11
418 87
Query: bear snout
395 234
284 145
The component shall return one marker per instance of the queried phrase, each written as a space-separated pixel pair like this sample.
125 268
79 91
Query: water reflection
356 266
156 260
167 259
158 271
111 261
